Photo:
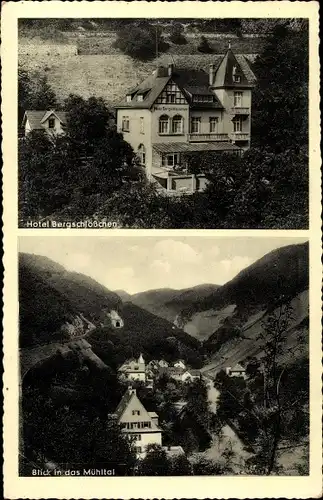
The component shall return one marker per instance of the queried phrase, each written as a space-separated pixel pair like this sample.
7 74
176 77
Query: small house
133 369
53 122
236 371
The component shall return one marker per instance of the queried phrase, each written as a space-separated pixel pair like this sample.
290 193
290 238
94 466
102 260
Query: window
147 424
142 125
195 125
177 125
237 124
214 120
128 98
125 124
237 78
164 124
51 123
237 99
140 98
203 98
138 449
142 154
171 95
171 160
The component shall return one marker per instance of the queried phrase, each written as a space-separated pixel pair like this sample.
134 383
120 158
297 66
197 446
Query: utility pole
156 43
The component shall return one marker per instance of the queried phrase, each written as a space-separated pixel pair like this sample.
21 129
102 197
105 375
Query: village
138 424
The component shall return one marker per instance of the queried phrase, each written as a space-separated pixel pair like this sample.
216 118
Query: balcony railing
240 136
240 111
208 137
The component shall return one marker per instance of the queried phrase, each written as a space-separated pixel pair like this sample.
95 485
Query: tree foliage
141 41
204 46
177 34
280 99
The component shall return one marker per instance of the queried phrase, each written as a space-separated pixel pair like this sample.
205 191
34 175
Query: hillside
281 272
56 306
228 319
168 303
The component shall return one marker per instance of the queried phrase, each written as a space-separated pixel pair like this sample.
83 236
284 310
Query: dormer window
128 98
203 98
51 123
140 98
237 78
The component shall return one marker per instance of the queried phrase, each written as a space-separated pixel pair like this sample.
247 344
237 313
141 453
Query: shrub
204 46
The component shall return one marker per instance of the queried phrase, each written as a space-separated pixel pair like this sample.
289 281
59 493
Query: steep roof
237 368
192 78
130 398
125 400
228 67
36 118
153 85
190 82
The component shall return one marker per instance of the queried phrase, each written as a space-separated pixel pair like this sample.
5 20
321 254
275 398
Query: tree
203 466
34 94
87 120
180 466
177 34
281 95
141 41
204 46
44 175
74 175
270 413
155 462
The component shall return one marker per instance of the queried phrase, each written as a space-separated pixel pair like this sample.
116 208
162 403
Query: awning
187 147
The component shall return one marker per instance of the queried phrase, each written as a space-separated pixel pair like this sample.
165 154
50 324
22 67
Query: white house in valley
180 364
138 424
51 121
236 371
134 369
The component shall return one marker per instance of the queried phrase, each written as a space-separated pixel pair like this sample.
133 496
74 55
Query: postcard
162 250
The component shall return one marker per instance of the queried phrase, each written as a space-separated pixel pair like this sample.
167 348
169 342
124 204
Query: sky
135 264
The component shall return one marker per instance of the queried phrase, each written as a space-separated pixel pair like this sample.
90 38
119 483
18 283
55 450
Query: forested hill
228 319
56 306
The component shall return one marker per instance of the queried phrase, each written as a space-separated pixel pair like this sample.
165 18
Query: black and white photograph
163 123
163 356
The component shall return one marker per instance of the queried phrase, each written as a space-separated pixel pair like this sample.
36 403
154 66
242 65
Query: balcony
208 137
240 111
239 136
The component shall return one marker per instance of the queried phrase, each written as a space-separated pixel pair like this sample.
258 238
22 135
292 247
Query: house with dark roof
51 121
139 425
133 369
236 371
178 112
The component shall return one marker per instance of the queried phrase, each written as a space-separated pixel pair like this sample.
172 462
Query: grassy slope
103 71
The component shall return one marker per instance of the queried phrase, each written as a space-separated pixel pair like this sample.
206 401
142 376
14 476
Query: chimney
170 69
211 74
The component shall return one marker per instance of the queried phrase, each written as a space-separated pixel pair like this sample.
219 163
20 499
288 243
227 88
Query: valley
76 335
